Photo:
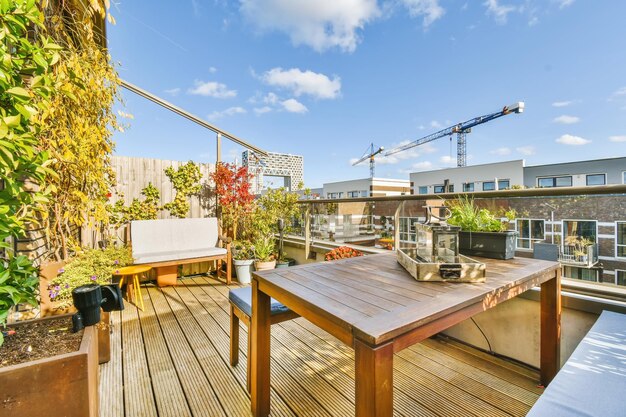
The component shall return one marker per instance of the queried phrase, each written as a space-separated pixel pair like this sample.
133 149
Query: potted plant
264 253
483 232
243 258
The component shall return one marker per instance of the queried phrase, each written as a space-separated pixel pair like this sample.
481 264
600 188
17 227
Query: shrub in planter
483 232
342 252
87 267
264 253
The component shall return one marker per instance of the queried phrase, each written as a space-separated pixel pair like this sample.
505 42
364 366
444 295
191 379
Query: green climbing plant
186 182
26 86
146 209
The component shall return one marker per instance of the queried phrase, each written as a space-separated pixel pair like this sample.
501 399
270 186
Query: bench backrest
172 235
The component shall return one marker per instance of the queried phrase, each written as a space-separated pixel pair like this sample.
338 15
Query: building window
565 181
489 186
439 189
530 231
623 177
578 229
353 194
468 187
504 184
620 277
340 195
620 239
596 179
407 230
423 190
365 193
581 273
331 195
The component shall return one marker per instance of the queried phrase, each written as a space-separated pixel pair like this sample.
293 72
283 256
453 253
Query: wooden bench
593 380
241 309
165 244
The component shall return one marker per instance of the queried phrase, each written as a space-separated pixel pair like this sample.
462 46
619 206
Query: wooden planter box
63 385
495 245
49 308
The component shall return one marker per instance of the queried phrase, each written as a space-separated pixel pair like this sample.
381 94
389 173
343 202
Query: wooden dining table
373 305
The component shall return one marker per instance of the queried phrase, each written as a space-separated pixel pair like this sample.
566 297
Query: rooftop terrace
172 360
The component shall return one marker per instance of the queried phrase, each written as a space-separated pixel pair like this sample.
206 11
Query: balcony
576 255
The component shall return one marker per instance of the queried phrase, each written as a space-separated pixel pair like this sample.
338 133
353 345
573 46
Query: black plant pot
495 245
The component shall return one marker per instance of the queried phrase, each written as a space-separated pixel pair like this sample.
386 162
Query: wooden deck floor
172 360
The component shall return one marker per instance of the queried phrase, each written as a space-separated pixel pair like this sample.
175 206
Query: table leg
374 380
260 355
550 328
138 292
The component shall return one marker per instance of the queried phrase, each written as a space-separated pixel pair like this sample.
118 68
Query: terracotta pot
262 266
26 389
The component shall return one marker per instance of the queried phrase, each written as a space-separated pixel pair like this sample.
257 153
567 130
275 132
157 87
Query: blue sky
324 78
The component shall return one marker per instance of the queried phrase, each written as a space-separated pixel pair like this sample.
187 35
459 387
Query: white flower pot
243 268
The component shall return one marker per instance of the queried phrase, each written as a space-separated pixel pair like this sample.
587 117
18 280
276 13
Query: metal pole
218 153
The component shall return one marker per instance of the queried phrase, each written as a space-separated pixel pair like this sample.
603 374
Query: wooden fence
134 174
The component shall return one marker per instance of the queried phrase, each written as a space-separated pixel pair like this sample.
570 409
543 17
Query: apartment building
366 187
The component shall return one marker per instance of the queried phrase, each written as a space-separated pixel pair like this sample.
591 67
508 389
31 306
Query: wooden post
374 380
550 328
307 231
260 356
396 227
234 338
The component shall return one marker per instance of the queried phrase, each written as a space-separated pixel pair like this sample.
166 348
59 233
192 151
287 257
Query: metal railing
371 221
586 256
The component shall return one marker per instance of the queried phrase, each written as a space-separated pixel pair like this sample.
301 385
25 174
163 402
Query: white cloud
501 151
422 166
270 98
212 89
620 92
562 103
262 110
303 82
294 106
618 138
435 124
173 91
499 12
212 70
320 24
231 111
565 3
572 140
534 20
430 9
447 160
566 120
526 150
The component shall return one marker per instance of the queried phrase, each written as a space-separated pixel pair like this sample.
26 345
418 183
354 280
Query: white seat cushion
147 258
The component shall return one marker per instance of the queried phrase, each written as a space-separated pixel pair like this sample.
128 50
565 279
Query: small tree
232 186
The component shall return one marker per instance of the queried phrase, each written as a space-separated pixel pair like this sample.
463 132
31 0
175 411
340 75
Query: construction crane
461 130
370 153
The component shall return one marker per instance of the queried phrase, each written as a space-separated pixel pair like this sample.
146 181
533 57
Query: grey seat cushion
242 298
593 380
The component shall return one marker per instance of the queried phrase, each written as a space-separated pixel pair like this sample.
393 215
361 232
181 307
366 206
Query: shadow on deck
172 360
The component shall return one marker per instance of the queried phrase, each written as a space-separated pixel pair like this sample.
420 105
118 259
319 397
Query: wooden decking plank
201 398
228 390
479 357
138 395
466 383
500 368
168 392
285 404
111 384
308 379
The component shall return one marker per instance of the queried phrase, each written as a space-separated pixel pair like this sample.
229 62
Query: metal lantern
436 240
435 254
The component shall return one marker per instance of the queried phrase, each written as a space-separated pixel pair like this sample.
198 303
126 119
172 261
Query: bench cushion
148 258
242 298
174 239
593 380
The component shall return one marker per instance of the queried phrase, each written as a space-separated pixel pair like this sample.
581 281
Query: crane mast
370 153
461 130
